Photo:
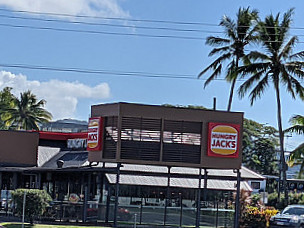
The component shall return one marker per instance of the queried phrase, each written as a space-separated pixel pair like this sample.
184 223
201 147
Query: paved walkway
9 219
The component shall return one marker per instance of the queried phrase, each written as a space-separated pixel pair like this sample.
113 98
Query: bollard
135 216
23 208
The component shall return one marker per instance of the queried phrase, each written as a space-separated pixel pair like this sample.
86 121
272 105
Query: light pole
282 173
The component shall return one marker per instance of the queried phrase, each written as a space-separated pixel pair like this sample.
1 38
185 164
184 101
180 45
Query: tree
297 155
25 113
6 98
277 64
239 34
35 204
259 143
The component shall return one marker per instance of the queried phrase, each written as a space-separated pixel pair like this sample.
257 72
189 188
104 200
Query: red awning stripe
62 135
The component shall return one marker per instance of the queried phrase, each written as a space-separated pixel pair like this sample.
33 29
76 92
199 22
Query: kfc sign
95 133
223 140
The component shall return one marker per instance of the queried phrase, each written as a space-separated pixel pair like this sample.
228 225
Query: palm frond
232 71
285 24
297 119
256 55
214 65
296 156
298 55
288 47
299 89
219 50
287 79
229 26
253 68
248 83
217 41
216 72
296 129
295 68
258 90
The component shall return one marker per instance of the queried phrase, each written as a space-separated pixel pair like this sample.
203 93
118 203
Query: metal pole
116 194
181 210
135 217
141 210
205 184
237 200
217 210
214 103
198 200
108 203
6 204
85 204
167 196
23 208
0 182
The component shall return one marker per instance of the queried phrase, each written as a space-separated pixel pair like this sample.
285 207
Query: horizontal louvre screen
110 137
140 139
182 141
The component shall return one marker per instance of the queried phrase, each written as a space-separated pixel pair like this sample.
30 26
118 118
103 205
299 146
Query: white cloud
62 97
105 8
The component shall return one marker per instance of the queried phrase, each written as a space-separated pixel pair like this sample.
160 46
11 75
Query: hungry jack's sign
223 140
95 133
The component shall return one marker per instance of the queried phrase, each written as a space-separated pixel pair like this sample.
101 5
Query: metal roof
176 182
70 158
75 160
245 172
45 154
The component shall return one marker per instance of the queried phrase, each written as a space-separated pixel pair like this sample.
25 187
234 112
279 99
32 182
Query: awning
176 182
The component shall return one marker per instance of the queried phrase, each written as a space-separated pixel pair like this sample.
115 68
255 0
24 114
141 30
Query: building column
38 181
237 200
116 194
205 184
15 181
198 200
0 182
168 195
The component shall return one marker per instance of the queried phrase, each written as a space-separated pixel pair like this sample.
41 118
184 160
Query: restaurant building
138 164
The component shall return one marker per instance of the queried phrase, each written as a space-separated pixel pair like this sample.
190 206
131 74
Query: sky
138 57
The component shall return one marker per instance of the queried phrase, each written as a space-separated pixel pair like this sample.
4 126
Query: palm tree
277 64
26 112
6 98
239 34
297 155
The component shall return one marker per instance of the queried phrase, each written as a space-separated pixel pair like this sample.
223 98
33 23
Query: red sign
95 133
223 140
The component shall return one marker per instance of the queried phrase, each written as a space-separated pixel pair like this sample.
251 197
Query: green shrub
257 217
273 200
255 199
294 198
36 202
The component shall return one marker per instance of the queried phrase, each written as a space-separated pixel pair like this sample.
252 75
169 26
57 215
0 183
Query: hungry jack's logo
95 128
223 140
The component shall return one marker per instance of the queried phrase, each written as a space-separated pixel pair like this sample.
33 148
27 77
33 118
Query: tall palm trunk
231 94
281 137
233 85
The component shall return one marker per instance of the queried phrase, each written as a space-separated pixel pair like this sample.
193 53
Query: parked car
5 199
291 216
124 214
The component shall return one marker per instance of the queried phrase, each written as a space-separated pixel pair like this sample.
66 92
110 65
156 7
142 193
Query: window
255 185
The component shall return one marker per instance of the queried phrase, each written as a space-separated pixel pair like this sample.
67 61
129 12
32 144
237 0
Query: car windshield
293 211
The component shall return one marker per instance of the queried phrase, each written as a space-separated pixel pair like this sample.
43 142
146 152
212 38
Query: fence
181 214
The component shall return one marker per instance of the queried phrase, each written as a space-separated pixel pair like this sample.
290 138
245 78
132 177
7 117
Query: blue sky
69 95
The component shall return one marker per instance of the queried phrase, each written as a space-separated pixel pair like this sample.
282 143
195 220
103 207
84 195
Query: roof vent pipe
60 163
